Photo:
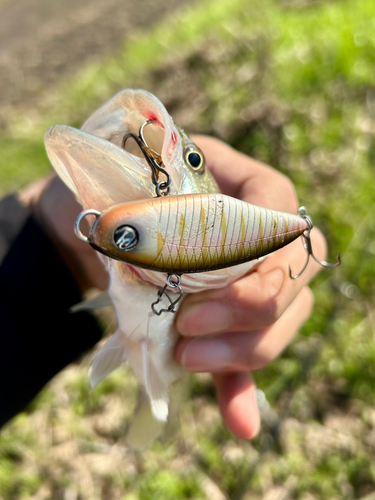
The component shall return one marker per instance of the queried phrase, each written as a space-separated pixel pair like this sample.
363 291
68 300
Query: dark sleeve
38 336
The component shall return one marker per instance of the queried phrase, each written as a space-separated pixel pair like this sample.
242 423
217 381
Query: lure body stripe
195 233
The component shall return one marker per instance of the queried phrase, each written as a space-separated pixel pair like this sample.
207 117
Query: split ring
77 222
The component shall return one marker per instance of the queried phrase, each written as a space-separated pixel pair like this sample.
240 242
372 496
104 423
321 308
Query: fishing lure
190 233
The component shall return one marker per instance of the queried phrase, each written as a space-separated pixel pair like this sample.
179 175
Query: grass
291 84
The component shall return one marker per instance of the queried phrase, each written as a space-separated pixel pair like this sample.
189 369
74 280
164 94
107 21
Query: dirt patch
42 41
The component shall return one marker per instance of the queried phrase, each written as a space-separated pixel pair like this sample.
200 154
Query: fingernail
207 355
203 319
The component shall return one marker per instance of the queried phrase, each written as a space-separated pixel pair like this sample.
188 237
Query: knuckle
269 313
319 244
262 356
286 187
308 298
263 352
211 143
269 353
254 304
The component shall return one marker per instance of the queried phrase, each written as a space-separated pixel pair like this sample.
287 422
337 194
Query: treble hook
142 127
162 188
302 212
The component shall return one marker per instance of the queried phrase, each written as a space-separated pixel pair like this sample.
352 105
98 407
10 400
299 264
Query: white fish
93 164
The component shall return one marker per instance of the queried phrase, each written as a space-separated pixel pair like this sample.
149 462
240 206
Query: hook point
291 274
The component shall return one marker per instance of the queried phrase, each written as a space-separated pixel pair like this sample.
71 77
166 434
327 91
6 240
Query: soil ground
42 41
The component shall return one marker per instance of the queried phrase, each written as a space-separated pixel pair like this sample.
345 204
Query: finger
242 177
235 393
243 351
256 300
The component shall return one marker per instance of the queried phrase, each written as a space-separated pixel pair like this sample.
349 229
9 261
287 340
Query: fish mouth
125 114
93 162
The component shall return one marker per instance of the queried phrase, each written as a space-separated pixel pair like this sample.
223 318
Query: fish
102 173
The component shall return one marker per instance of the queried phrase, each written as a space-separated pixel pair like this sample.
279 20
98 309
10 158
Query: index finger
250 180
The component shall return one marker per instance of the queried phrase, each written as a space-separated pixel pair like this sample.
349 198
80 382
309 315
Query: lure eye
125 237
195 159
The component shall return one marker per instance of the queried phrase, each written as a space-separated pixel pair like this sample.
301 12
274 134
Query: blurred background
290 82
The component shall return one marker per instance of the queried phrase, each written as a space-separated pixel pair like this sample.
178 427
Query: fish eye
195 159
125 237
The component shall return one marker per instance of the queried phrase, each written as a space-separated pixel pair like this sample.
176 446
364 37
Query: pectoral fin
112 355
101 300
99 173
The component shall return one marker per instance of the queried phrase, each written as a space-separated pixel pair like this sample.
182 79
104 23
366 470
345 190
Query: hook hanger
173 281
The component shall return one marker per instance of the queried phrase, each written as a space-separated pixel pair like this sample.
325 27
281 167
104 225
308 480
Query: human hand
244 326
